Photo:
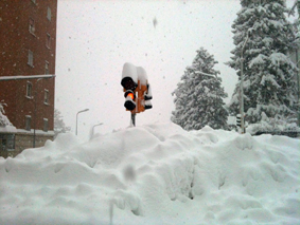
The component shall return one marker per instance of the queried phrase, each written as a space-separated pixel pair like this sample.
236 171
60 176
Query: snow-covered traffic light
137 90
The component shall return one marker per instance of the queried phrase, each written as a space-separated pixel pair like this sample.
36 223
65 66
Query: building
28 43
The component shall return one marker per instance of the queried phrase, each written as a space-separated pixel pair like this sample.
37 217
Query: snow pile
155 174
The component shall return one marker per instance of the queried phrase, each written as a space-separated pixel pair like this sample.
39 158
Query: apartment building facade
28 43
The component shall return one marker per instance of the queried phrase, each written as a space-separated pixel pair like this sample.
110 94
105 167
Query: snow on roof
40 132
8 129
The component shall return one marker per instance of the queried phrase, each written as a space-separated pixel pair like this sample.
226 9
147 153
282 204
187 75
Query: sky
95 39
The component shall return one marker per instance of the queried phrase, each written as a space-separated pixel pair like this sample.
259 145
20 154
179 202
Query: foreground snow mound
155 174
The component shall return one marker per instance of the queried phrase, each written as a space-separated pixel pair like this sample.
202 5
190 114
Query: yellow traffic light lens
131 95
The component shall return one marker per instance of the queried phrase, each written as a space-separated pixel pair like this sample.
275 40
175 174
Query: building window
45 124
31 26
29 89
7 142
30 58
46 97
49 13
46 67
28 122
48 40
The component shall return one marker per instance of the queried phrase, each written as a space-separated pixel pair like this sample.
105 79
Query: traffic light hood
129 76
128 83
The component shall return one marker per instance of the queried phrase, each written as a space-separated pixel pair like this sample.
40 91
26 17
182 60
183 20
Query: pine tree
59 124
269 74
199 98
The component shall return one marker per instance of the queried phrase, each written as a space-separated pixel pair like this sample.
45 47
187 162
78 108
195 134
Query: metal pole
242 86
35 110
133 119
92 130
206 74
23 77
77 118
76 123
298 88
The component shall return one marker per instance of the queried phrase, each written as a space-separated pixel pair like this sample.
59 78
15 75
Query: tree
59 124
199 98
269 74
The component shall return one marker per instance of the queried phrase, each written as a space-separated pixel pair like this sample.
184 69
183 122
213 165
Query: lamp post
242 86
81 111
92 130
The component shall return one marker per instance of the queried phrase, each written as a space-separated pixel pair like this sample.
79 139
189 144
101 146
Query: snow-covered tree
199 98
59 124
4 121
269 74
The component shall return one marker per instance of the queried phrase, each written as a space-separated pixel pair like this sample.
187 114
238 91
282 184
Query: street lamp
205 74
92 130
242 86
84 110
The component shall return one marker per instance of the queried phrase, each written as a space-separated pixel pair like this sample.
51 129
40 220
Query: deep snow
154 174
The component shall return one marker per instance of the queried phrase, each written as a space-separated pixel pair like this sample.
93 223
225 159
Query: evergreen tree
199 98
59 124
269 74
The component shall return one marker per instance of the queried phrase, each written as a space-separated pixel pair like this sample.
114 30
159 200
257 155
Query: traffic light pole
133 119
242 87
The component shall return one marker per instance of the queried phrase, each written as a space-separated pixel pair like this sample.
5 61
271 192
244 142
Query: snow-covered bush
4 121
277 124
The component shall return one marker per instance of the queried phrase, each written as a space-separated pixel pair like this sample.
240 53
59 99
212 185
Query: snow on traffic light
137 90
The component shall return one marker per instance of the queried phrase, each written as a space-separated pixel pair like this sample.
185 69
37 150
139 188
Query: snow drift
155 174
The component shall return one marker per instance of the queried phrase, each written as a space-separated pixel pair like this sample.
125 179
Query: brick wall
24 141
16 40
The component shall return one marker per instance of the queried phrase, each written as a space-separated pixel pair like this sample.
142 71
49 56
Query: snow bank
155 174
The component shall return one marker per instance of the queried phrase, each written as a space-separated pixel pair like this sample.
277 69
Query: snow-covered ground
155 174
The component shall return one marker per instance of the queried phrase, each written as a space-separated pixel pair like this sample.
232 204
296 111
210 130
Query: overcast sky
96 37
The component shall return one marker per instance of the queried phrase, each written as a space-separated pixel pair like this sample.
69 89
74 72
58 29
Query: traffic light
130 97
238 120
137 90
129 83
